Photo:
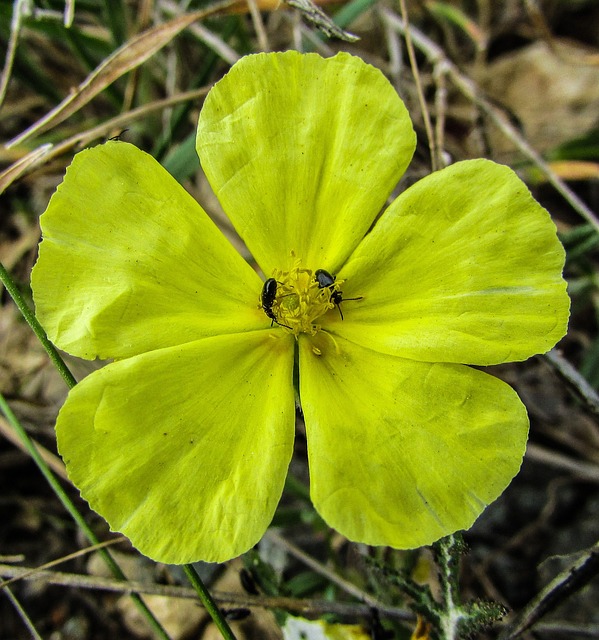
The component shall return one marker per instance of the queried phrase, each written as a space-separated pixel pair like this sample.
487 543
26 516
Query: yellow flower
183 442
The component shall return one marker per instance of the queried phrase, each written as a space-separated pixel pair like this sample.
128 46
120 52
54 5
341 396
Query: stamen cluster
300 300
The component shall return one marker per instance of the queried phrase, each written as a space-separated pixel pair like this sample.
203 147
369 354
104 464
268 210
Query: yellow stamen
299 301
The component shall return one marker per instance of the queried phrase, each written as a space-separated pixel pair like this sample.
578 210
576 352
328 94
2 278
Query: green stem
208 602
29 316
59 363
447 552
32 321
77 517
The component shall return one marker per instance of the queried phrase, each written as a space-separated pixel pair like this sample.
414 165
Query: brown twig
582 470
293 605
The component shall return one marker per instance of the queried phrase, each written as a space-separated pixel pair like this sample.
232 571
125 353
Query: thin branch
568 629
580 385
331 576
293 605
63 559
314 14
582 470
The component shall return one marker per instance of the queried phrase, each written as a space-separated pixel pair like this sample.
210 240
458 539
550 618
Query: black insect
238 613
326 280
267 299
118 137
248 583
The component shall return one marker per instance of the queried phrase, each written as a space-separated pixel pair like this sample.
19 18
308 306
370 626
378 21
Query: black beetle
267 299
325 279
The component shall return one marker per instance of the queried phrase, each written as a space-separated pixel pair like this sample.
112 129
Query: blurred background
514 81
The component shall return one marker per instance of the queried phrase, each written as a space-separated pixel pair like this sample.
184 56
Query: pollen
300 301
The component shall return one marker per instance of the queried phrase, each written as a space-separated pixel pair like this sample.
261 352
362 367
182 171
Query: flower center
301 298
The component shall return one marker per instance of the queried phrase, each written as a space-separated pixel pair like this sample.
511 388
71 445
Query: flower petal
185 449
302 153
401 452
465 266
130 262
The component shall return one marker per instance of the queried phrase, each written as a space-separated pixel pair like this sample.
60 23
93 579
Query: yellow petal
302 153
130 262
403 453
465 266
185 449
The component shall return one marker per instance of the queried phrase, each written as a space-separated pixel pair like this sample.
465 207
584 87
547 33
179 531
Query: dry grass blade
15 28
53 461
69 12
48 151
22 166
24 617
132 54
584 470
421 99
258 25
574 379
209 37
